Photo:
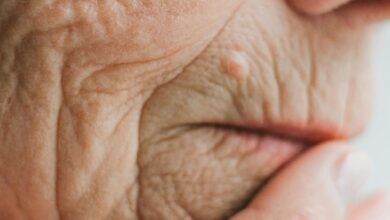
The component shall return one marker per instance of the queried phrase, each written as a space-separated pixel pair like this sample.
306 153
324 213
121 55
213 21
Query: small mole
236 64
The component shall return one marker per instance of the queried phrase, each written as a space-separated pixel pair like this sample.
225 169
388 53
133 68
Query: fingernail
354 170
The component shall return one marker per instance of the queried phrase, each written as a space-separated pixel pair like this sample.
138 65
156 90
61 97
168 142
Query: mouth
268 148
254 153
310 135
306 135
264 151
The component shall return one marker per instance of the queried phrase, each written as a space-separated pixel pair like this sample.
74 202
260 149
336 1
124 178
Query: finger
318 185
376 207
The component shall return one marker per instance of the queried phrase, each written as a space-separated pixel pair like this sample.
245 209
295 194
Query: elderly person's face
169 109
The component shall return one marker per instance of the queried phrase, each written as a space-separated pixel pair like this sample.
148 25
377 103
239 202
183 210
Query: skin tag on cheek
236 64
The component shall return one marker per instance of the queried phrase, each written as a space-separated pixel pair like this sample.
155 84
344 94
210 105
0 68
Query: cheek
267 65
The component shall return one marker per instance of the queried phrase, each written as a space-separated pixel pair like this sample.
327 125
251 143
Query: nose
361 11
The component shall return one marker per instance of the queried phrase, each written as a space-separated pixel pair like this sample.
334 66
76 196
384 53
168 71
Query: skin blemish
236 64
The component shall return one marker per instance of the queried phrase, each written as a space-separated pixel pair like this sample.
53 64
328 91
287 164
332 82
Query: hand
320 185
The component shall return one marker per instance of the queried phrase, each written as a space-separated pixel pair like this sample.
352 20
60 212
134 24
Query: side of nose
362 11
317 7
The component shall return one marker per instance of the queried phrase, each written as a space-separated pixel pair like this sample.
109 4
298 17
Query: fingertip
352 173
375 207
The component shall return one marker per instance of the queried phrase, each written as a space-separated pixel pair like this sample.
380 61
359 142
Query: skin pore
168 109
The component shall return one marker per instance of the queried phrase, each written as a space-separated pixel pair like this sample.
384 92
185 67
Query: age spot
236 64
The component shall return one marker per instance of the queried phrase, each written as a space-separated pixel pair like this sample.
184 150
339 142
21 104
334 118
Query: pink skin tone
293 192
185 109
339 170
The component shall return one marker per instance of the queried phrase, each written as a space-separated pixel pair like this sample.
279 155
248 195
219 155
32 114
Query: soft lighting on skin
236 64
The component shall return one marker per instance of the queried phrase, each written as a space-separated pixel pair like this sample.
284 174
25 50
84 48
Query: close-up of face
172 109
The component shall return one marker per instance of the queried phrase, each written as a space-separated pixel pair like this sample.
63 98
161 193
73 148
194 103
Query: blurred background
376 140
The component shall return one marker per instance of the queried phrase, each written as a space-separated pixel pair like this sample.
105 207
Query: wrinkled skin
106 108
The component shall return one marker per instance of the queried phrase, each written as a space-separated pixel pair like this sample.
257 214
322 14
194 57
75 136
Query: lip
264 150
307 134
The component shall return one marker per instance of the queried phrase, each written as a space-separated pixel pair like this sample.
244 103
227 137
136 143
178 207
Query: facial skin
168 109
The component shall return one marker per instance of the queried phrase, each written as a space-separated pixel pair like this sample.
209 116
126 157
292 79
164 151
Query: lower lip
261 154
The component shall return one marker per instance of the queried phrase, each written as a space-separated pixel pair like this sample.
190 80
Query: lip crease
268 148
307 134
264 150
